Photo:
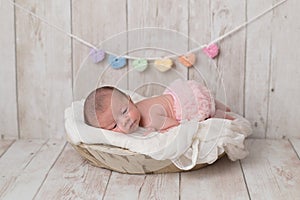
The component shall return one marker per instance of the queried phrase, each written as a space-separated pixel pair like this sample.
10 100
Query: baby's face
121 115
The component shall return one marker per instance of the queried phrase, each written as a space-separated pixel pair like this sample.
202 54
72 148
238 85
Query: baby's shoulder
150 109
156 100
145 104
159 105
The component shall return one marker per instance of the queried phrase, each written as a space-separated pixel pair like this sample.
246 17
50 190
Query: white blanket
186 145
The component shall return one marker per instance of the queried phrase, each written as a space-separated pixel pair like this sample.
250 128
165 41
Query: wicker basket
125 161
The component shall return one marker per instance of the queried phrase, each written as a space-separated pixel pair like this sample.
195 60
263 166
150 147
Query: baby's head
111 109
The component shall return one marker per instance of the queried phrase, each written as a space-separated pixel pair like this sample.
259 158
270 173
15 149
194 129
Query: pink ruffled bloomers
192 100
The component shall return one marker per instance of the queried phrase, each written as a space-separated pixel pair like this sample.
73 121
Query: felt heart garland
211 50
162 65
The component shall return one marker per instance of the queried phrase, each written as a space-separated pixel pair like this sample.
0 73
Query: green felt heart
140 64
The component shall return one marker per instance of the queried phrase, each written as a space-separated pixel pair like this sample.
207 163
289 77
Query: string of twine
86 43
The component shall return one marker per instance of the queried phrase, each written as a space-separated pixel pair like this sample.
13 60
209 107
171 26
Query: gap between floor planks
47 169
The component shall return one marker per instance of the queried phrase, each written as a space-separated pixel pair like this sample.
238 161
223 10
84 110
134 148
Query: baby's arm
222 114
158 118
161 124
156 115
167 122
221 110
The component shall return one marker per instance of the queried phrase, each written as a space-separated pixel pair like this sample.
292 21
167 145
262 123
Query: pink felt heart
211 51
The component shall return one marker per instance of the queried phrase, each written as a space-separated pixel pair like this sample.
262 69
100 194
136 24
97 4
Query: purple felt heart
97 55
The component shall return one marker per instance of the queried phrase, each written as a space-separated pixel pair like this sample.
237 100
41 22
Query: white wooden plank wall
8 100
258 61
227 15
204 70
40 66
284 108
164 15
97 21
43 68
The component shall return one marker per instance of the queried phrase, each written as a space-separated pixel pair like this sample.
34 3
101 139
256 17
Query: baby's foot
222 114
229 117
221 106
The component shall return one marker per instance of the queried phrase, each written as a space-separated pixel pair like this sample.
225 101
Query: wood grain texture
73 178
100 23
205 69
8 100
29 169
122 186
296 145
284 108
4 145
26 183
15 160
258 54
272 170
171 20
160 186
44 68
227 15
221 180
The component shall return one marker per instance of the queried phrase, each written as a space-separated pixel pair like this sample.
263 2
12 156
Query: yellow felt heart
187 60
163 64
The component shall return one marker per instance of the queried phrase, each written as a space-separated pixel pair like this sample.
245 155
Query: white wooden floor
39 169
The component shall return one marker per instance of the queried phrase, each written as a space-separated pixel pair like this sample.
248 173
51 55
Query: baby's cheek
134 114
137 115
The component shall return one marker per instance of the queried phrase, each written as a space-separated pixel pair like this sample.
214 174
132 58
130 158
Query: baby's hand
164 130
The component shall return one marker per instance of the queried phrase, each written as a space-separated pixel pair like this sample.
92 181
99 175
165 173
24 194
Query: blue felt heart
116 62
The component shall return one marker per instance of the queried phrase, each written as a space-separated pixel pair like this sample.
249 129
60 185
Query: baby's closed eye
114 126
124 110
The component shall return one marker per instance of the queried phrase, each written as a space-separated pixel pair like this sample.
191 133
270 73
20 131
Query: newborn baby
109 108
